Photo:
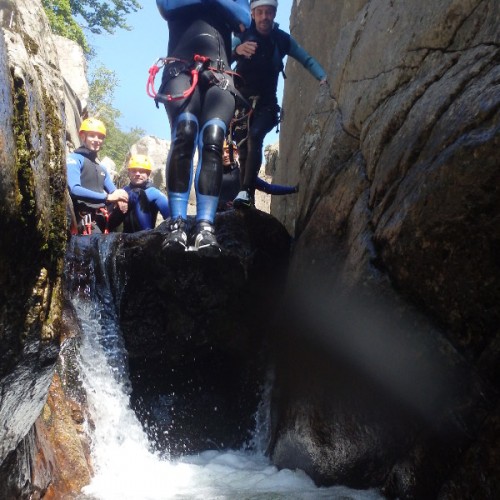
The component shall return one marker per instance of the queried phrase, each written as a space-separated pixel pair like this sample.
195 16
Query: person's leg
218 108
240 137
262 122
183 116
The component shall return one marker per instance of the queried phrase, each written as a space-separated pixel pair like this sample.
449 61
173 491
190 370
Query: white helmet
258 3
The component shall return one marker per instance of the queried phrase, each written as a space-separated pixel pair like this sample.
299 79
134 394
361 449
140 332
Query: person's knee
213 138
185 135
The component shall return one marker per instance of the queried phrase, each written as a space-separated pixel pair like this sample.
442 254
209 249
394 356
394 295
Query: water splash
125 467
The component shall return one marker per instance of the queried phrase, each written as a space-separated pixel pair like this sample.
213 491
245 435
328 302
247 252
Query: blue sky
130 54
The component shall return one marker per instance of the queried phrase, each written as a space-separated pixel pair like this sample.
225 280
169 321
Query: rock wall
399 201
33 238
387 348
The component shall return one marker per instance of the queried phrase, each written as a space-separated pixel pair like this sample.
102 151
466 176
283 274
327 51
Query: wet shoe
177 238
243 200
203 239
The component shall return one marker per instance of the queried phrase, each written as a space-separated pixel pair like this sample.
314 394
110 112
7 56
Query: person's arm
119 196
116 217
308 61
275 189
160 200
235 42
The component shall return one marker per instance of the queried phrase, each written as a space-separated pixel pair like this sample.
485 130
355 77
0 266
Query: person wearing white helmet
145 200
90 186
259 53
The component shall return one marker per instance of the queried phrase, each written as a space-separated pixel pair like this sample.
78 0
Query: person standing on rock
199 96
145 201
259 53
91 188
231 180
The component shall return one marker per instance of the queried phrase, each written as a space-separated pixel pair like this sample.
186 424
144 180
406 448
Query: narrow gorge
373 296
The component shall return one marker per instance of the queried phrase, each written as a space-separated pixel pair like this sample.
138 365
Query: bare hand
123 206
246 49
118 195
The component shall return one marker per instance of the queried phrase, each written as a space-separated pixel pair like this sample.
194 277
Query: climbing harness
87 220
195 68
200 63
241 120
87 224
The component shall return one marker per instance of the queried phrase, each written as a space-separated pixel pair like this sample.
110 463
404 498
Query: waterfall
125 465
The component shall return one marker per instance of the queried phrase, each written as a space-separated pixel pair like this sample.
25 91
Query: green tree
62 22
95 16
102 85
118 143
102 16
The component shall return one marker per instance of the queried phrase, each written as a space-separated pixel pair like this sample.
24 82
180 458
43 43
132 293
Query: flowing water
125 466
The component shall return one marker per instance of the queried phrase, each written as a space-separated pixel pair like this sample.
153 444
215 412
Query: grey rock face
399 199
32 216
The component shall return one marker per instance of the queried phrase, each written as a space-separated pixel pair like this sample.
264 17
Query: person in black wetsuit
91 188
259 53
231 180
199 43
144 199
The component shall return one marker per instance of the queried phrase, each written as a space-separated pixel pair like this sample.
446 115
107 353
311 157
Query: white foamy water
124 465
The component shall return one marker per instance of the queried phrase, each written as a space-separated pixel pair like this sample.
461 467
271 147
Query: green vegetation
102 85
62 23
71 18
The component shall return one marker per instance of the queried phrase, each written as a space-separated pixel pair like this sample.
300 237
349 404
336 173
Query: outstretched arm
308 61
275 189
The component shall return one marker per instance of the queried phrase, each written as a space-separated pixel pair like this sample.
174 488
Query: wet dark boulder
196 328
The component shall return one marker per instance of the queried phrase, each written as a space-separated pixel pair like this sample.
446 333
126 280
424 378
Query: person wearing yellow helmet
93 125
90 185
144 199
231 180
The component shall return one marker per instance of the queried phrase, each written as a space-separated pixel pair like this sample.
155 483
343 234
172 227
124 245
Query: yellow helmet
140 161
93 125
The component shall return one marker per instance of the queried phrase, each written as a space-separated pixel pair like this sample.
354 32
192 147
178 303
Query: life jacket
91 177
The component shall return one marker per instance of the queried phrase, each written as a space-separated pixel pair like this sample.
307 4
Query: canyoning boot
244 200
177 238
203 239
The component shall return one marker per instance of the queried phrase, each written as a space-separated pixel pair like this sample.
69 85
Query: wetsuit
144 203
231 186
200 120
260 79
88 184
